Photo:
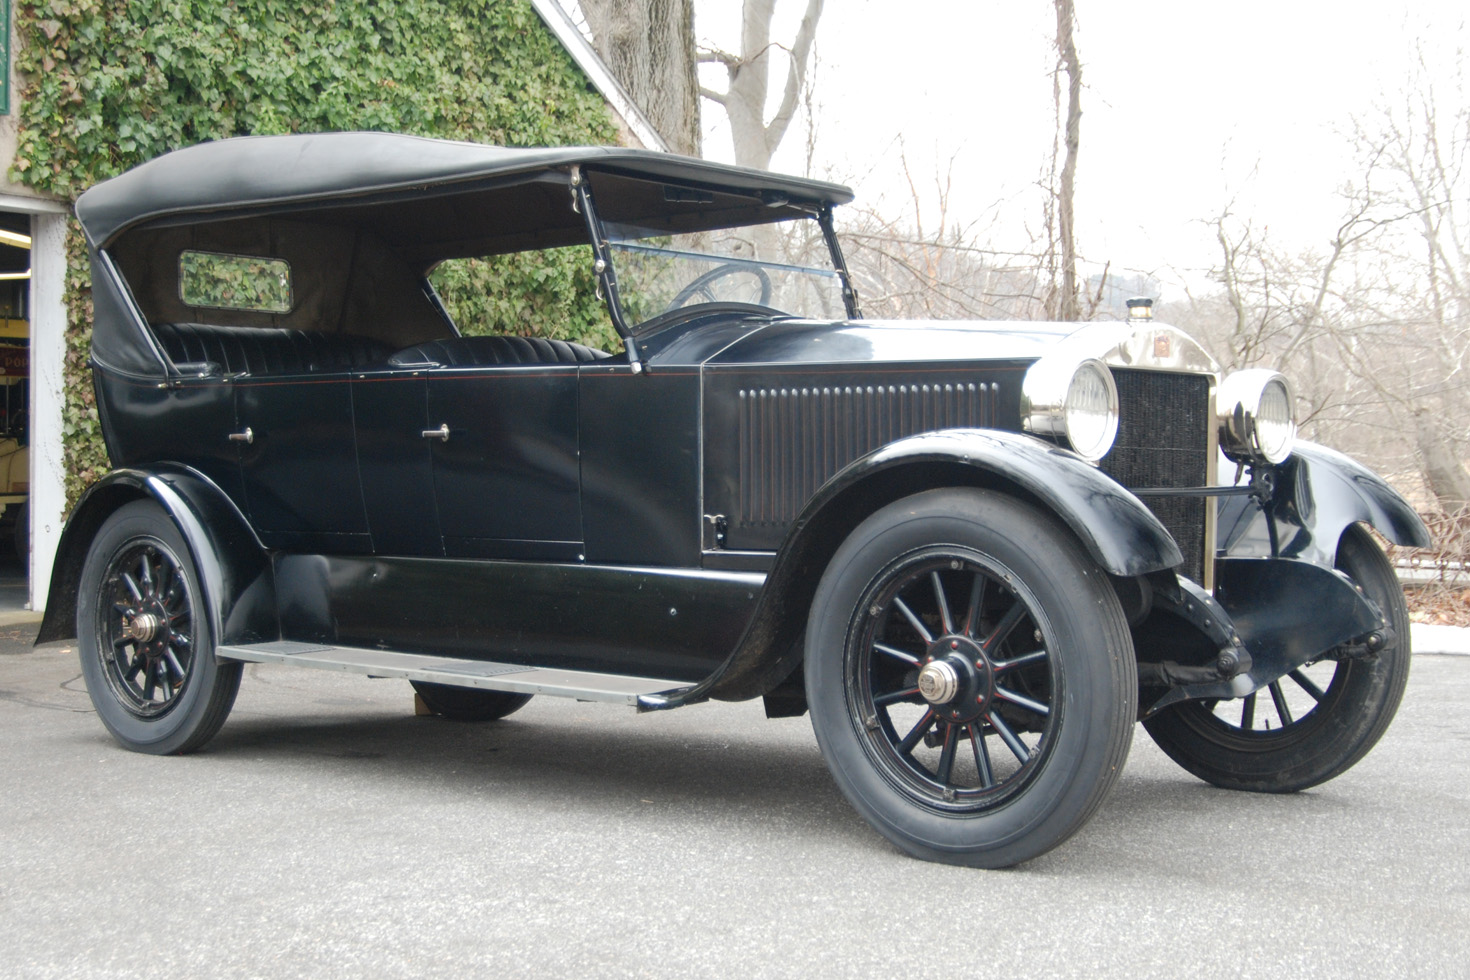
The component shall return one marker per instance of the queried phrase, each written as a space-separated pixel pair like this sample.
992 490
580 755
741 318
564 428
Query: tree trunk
1443 471
648 45
1069 308
749 72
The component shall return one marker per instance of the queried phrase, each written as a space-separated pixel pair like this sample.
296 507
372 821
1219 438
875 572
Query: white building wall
48 357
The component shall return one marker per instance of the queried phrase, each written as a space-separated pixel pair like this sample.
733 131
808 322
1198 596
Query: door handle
441 433
248 436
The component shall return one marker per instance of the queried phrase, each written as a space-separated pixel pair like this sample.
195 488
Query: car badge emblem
1162 345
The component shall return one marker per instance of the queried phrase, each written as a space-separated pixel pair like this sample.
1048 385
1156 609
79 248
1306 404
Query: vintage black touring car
977 552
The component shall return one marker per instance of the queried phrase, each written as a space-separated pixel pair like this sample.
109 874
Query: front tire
144 637
1327 714
970 676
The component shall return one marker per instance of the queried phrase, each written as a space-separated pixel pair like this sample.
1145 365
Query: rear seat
480 351
268 350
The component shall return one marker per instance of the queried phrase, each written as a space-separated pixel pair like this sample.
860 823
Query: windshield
785 268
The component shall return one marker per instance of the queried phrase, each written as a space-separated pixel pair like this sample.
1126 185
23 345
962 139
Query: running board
515 678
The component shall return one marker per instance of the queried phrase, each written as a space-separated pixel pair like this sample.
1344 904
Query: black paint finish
1318 493
187 422
563 520
392 411
640 465
302 490
233 569
674 623
774 437
506 479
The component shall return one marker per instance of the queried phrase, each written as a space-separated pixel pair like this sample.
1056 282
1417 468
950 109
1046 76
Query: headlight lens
1257 416
1075 400
1091 410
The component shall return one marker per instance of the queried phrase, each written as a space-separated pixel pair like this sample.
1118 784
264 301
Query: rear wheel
1311 725
143 633
970 677
468 703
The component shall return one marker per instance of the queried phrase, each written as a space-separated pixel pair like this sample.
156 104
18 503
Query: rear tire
1337 718
144 637
971 677
468 703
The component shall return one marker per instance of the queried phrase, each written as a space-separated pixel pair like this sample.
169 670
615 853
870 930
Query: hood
1118 343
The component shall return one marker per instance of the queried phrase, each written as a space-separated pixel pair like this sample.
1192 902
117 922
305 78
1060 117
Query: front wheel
144 637
1314 723
970 676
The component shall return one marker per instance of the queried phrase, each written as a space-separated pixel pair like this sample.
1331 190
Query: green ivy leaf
107 84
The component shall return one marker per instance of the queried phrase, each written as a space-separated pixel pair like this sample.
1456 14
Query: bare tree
1064 298
749 72
1375 327
648 45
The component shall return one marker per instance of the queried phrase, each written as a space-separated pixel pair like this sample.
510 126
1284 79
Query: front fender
1318 494
1120 533
234 568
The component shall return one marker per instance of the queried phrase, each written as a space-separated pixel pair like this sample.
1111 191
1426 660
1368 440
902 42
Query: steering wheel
702 285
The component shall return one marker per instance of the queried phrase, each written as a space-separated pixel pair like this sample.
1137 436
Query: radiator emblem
1163 345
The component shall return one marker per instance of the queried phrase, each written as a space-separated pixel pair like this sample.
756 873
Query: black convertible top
249 171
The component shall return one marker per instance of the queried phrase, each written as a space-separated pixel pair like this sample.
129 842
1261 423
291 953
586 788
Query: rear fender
234 569
1120 533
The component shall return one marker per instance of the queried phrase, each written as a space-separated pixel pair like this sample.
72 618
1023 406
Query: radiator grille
792 440
1163 441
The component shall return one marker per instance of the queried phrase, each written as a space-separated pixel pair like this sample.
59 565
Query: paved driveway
327 830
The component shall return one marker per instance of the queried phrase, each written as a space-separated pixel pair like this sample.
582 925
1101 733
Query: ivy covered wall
107 84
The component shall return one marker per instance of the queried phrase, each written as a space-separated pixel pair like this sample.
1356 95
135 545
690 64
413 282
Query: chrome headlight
1072 400
1257 416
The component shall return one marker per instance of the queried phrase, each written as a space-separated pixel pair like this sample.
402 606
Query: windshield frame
606 271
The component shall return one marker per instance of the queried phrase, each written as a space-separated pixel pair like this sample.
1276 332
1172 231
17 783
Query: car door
503 440
298 463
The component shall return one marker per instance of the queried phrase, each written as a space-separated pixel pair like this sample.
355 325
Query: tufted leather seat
480 351
267 350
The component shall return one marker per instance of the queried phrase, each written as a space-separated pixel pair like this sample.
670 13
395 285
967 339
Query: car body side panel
641 621
299 465
774 435
640 469
187 422
506 479
391 413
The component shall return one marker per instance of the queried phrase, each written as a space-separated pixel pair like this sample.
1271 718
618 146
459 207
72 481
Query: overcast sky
1186 106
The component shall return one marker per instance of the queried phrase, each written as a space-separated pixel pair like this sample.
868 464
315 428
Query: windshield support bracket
602 265
849 291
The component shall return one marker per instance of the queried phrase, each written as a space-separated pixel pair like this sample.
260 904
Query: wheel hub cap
939 682
143 627
956 678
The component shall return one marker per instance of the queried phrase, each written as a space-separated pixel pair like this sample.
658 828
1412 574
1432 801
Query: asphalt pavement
329 831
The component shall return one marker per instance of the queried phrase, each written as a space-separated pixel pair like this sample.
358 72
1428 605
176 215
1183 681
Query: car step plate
515 678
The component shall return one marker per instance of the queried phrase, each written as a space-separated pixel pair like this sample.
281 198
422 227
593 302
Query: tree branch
796 70
714 56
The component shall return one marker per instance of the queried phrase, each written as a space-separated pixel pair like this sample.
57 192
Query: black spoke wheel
970 677
1311 725
468 703
147 651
